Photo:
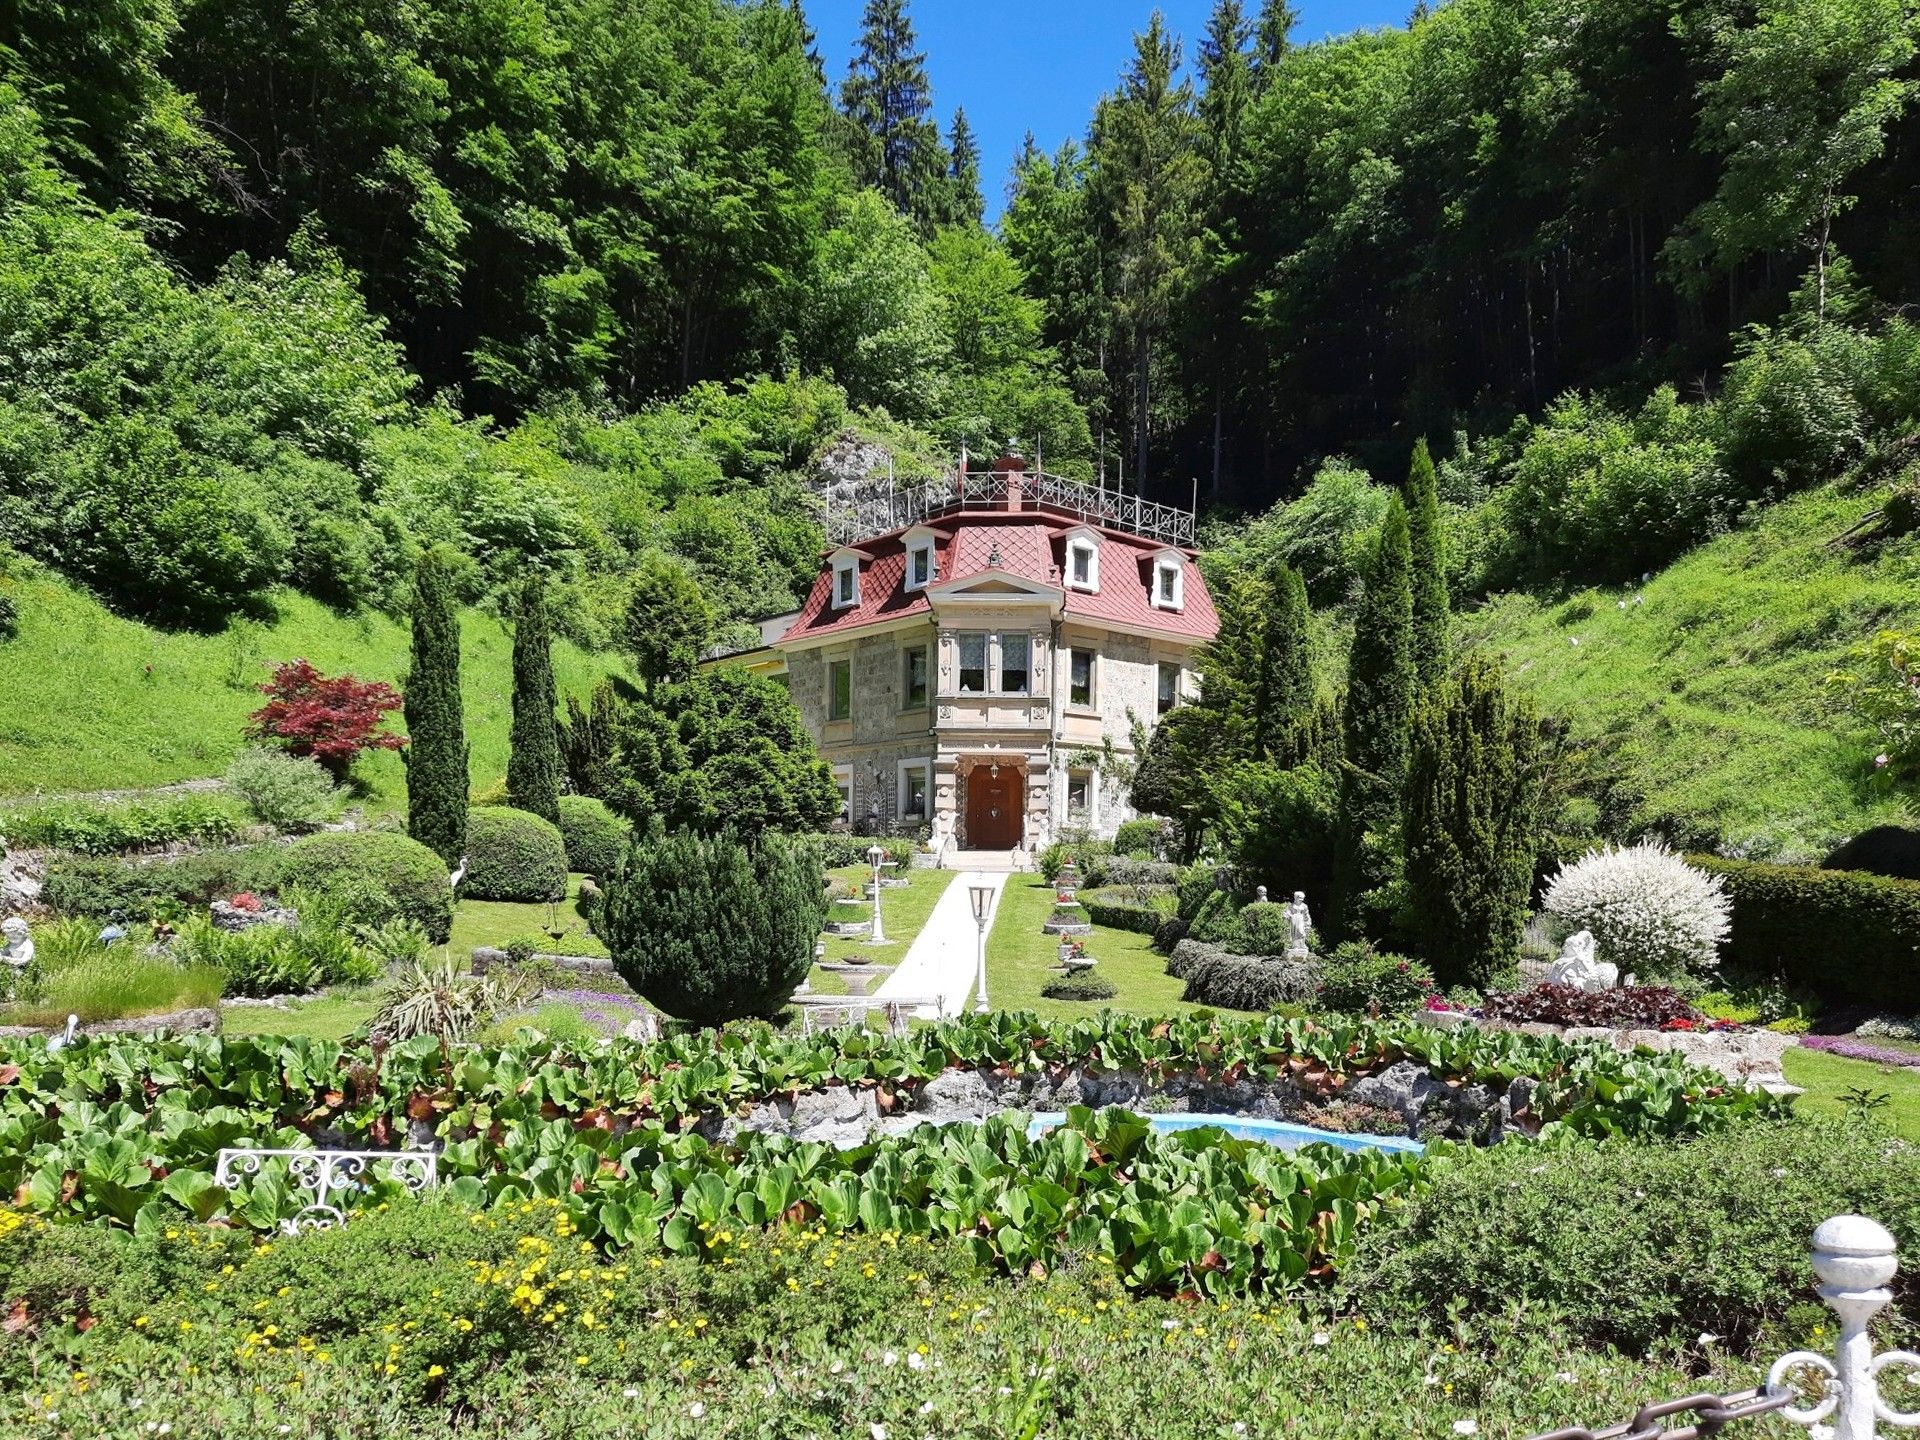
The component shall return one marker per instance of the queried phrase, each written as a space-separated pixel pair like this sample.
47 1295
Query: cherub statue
1580 966
1299 925
17 950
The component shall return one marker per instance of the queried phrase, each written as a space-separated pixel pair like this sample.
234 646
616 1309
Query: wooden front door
995 805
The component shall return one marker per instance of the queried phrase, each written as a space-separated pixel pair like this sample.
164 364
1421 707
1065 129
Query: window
1083 563
1169 692
1167 584
914 788
1080 678
839 689
846 582
920 565
973 664
1079 794
913 684
1015 653
843 780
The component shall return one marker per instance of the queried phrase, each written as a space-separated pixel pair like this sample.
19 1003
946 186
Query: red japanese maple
331 718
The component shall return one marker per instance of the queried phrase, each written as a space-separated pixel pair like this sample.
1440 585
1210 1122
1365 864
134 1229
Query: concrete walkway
940 964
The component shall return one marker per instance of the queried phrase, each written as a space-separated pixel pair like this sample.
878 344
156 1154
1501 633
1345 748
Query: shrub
1881 690
1120 870
376 875
1789 413
1648 909
285 791
1265 928
274 959
92 828
1844 934
1085 852
1627 1007
1357 979
1710 1236
513 855
433 997
1084 986
596 838
1217 922
128 889
1118 910
838 850
711 930
333 719
1216 976
1136 836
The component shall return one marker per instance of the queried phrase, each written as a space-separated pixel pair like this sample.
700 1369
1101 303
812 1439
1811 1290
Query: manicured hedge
1844 934
1216 976
513 855
1120 870
378 874
595 837
1118 913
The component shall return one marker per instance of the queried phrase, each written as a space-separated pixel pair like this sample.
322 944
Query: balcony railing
977 490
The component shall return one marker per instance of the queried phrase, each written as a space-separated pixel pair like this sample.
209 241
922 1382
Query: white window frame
960 666
846 581
909 767
1086 542
919 543
1169 565
997 671
843 778
1092 810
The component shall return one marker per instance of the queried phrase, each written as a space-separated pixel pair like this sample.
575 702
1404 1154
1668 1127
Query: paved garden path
940 963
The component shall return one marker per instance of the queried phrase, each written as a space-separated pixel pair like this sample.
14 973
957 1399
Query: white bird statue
459 874
56 1043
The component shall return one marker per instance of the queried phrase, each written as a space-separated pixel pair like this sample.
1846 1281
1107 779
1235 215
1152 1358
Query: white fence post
1855 1260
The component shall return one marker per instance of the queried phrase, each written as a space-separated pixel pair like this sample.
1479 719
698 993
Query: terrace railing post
1855 1260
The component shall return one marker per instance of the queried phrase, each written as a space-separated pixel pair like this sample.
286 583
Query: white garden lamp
876 854
982 910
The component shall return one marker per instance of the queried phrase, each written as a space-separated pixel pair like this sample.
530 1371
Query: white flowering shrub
1650 911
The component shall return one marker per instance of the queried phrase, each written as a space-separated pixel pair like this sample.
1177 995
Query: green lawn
1019 958
496 922
1827 1078
120 705
329 1017
903 912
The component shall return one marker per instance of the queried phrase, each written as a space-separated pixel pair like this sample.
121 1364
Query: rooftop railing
979 490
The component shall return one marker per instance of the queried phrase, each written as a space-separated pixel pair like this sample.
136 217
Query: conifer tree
1226 80
436 732
533 756
1374 731
887 97
1431 607
965 204
1272 38
1471 815
1283 694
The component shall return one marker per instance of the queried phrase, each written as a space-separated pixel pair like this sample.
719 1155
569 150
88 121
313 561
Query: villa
981 651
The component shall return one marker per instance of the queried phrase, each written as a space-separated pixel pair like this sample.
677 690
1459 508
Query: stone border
488 957
1749 1057
197 1021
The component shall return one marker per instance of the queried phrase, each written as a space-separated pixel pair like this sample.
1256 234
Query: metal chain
1712 1412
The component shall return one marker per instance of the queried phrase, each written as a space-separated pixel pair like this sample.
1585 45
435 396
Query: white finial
1855 1260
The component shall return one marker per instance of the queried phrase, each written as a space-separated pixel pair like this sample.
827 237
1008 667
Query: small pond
1282 1133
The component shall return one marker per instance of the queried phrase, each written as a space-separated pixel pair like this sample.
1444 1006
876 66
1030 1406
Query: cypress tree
1283 694
966 205
1471 817
1374 730
436 734
533 756
1431 607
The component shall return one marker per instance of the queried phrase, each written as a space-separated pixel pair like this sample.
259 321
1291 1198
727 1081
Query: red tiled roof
1032 547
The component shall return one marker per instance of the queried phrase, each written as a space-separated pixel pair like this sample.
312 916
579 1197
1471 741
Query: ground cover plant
102 829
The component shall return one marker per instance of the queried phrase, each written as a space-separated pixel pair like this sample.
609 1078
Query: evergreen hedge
513 855
378 875
533 759
1217 976
1844 934
595 837
712 930
436 752
1116 913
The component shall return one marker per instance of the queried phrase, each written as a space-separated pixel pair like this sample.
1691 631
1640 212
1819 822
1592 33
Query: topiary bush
595 837
1216 976
1648 909
1264 927
1217 922
374 875
289 792
1140 837
513 855
1084 986
1357 979
711 929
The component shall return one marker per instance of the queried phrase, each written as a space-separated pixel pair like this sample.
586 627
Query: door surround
993 802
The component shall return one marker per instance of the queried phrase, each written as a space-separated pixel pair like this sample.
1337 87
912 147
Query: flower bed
1849 1047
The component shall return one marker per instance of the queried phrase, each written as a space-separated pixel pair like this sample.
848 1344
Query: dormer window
846 579
1083 560
1169 588
921 570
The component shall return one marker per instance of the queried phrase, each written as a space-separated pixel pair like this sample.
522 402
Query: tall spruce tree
965 204
887 97
1374 731
533 755
1432 644
1471 818
1283 694
1272 38
436 732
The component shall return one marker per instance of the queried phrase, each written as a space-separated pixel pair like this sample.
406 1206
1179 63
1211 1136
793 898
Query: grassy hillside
1702 693
93 701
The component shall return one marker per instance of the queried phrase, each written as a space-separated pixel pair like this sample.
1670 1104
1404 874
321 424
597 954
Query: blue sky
1040 65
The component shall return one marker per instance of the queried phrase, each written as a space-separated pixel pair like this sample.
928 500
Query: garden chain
1712 1413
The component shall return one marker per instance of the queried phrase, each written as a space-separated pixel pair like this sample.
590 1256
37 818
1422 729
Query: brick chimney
1014 465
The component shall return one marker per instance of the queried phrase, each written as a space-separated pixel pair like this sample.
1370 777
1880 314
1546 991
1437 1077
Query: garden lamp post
982 909
876 854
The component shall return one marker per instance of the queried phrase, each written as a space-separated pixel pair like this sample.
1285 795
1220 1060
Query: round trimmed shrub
1080 987
513 855
1648 909
1266 928
595 837
374 875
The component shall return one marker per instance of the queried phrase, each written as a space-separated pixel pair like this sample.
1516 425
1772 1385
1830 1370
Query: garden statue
18 949
1580 967
1299 923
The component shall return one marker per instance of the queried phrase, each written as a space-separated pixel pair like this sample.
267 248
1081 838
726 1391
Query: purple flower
1847 1047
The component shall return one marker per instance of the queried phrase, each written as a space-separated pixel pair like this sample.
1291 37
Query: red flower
245 900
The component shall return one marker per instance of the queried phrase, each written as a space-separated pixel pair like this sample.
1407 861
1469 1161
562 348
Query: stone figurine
17 950
1299 924
1580 966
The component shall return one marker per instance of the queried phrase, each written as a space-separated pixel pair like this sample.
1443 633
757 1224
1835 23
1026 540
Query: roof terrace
1009 486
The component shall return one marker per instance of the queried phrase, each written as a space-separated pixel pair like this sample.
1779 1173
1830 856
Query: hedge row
1845 934
1216 976
1118 914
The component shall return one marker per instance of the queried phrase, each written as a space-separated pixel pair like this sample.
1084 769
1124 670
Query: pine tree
1272 39
533 755
1226 79
1283 697
1375 727
1432 645
1471 816
887 97
668 621
965 204
436 733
